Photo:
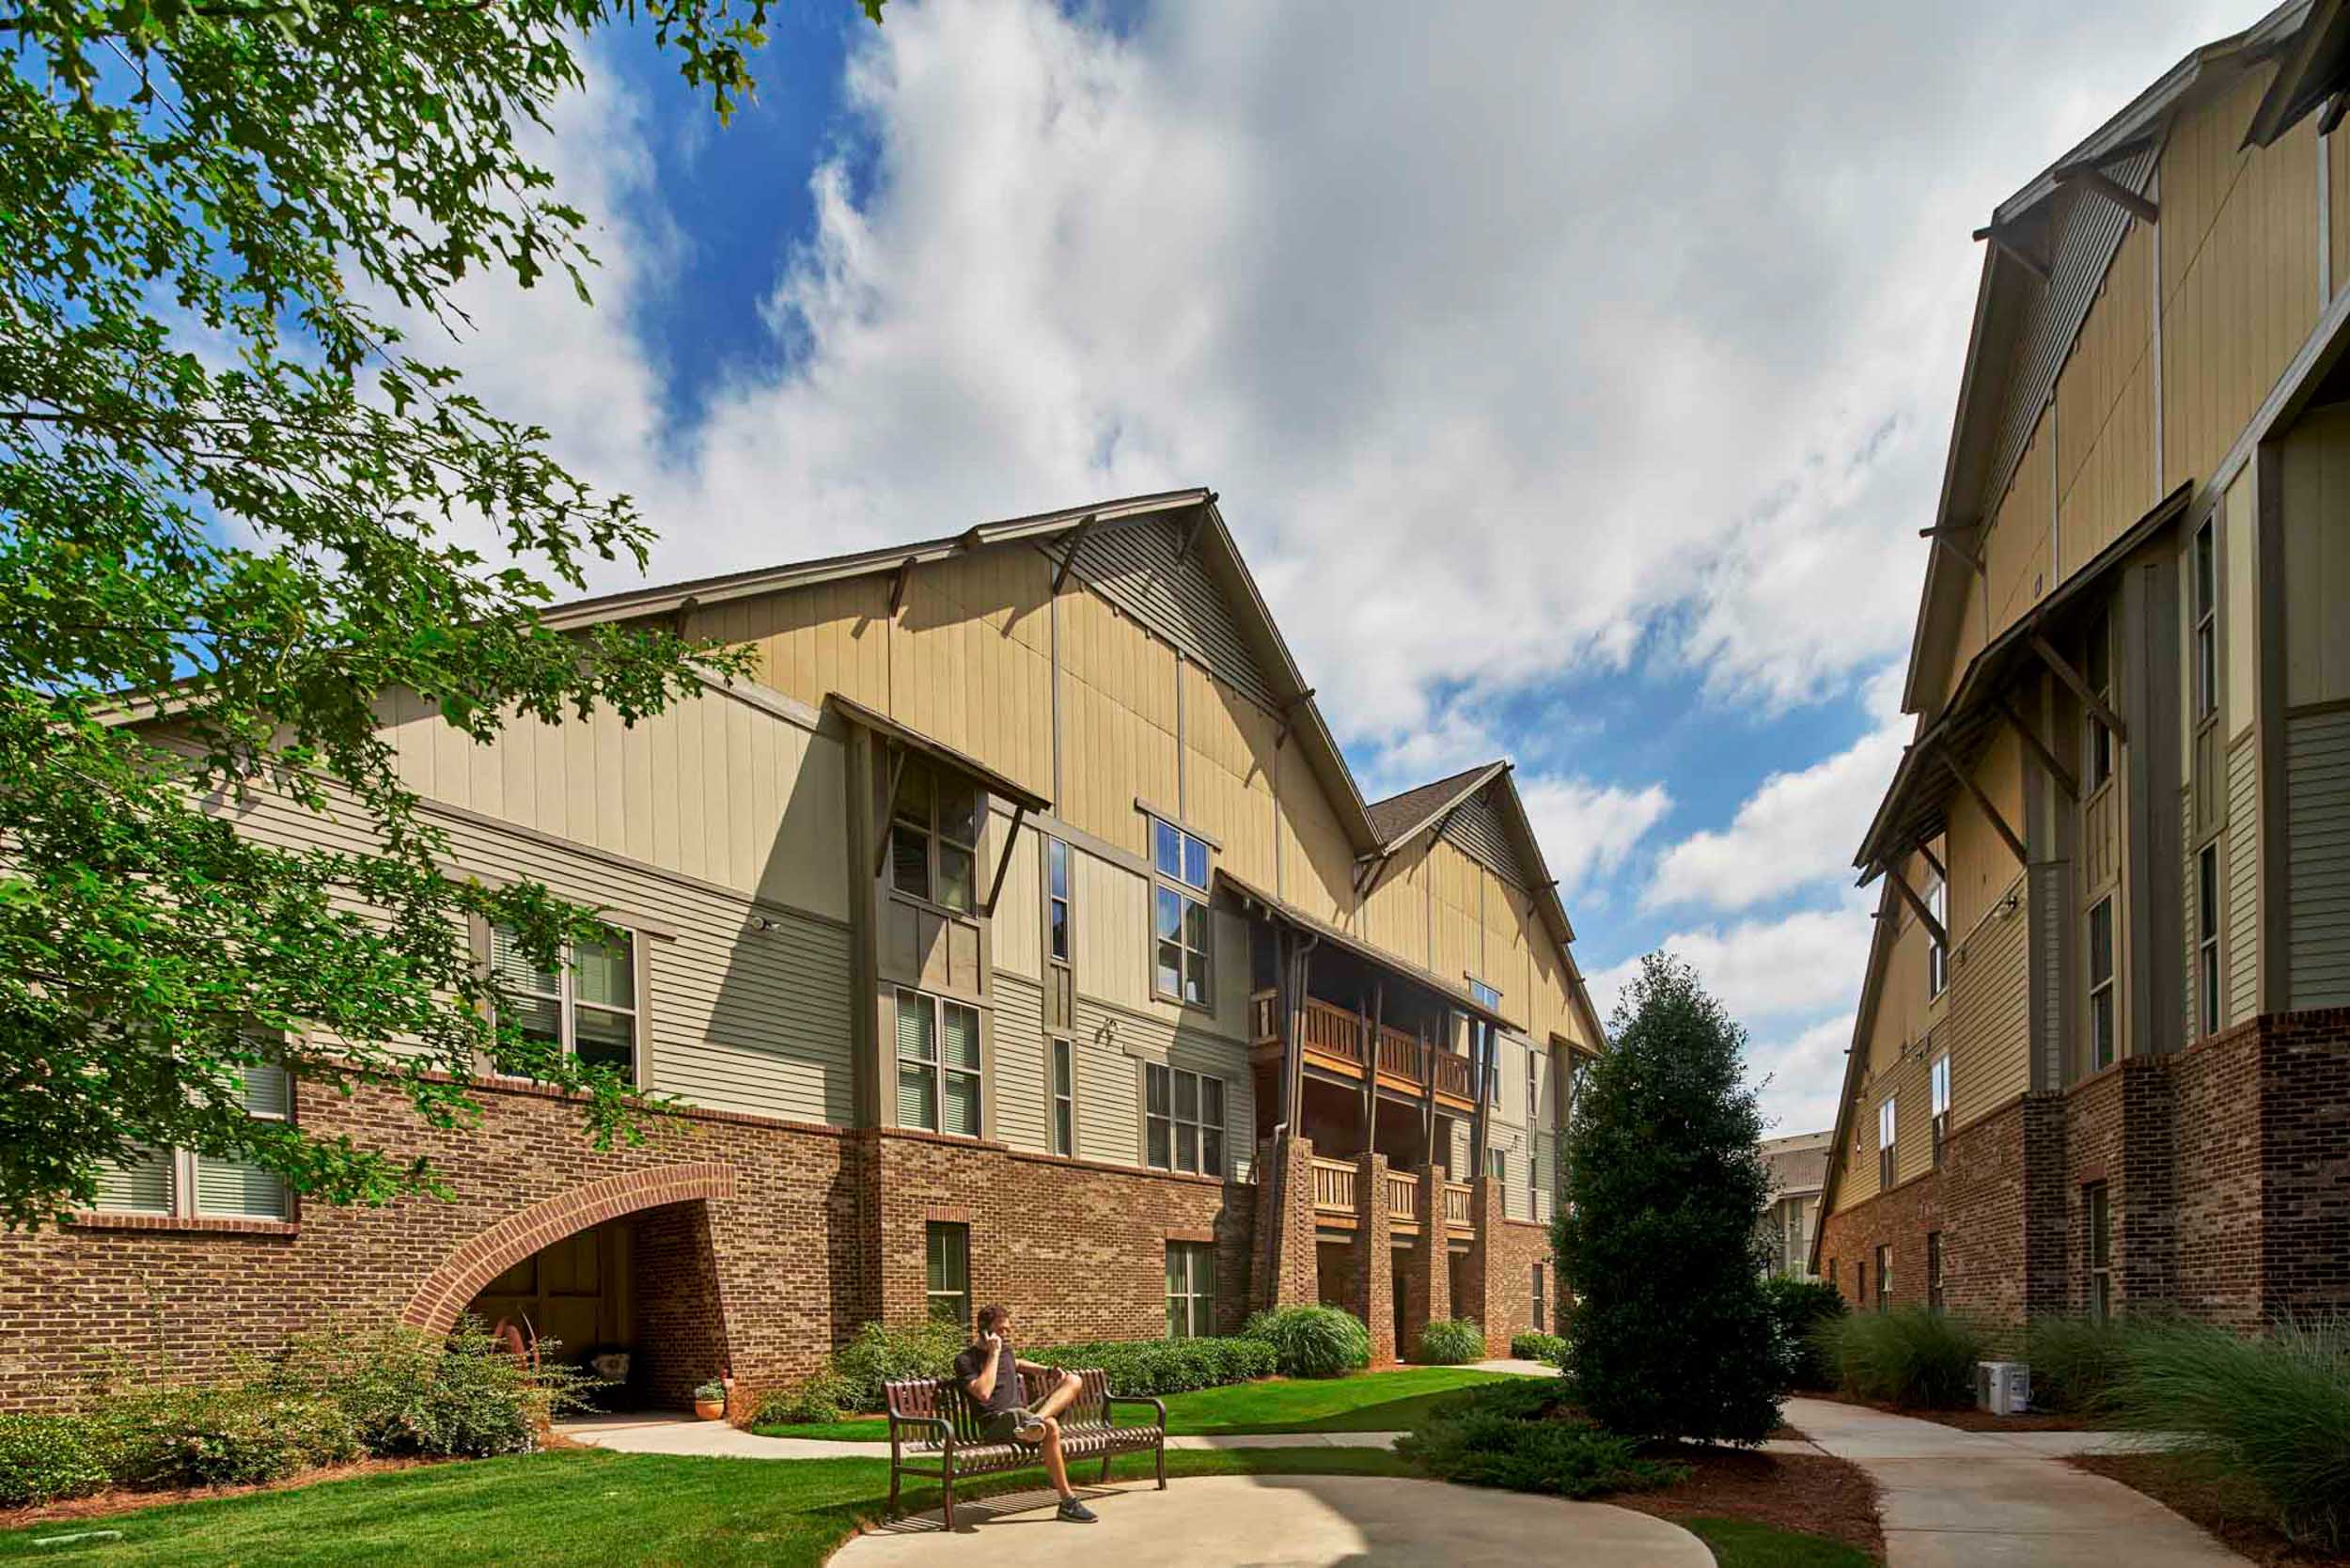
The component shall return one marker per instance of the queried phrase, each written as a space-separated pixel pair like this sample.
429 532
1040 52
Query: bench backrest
944 1397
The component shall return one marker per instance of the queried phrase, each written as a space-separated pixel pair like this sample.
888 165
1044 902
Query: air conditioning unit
2003 1388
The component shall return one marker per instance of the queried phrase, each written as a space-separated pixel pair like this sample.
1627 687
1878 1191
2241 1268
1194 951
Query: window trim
1889 1141
934 837
1884 1275
2203 604
567 1003
182 1168
1186 893
1540 1298
937 1065
2208 976
2098 1214
1198 1121
1485 1039
1200 1304
1939 1103
1055 1098
959 1233
2104 996
1065 901
1937 954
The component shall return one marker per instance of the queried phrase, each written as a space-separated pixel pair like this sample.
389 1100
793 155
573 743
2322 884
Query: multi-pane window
2100 1249
1483 1057
1180 915
1933 1271
1885 1277
1938 1098
1057 899
934 836
1182 1120
1533 1086
586 1008
2102 998
1937 955
1861 1281
938 1064
1539 1282
186 1185
1886 1132
2097 739
1190 1290
949 1289
2207 938
1497 1167
1064 1097
2206 624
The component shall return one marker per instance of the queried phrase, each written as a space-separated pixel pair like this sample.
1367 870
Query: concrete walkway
683 1435
1993 1497
1358 1521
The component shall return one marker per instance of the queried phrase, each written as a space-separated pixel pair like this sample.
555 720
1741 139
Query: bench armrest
946 1432
1157 1405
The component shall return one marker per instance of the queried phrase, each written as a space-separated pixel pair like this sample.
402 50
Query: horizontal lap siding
2242 873
1989 1032
1112 1047
2317 780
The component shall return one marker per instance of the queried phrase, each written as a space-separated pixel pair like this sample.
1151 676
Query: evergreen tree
1665 1185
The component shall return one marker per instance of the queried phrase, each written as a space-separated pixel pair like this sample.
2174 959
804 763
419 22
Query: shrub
1312 1342
823 1397
406 1392
1450 1342
1907 1356
2076 1361
2272 1412
1797 1308
1539 1347
1515 1434
225 1436
46 1457
1657 1235
880 1354
1165 1366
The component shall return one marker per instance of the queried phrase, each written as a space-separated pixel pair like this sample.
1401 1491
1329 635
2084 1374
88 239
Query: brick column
1426 1284
1481 1273
1289 1279
1371 1288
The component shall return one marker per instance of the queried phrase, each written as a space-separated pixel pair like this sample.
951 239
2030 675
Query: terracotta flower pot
711 1409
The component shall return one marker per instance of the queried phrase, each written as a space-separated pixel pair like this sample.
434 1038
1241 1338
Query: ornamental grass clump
1312 1342
1450 1343
1521 1434
2077 1361
1534 1346
2271 1413
1908 1357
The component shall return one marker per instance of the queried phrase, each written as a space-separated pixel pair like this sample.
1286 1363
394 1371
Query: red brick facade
2225 1171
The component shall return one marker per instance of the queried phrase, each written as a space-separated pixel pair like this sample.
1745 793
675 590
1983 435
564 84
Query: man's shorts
1004 1425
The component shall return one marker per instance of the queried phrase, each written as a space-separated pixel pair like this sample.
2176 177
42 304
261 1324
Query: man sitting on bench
989 1373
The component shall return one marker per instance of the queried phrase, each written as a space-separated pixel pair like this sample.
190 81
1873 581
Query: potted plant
710 1401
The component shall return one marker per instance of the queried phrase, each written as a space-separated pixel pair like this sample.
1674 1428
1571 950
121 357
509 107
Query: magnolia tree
232 499
1671 1334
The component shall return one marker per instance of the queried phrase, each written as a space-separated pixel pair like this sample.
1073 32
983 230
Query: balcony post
1370 1294
1285 1220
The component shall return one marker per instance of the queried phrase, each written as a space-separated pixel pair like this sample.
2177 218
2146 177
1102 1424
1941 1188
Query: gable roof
1400 816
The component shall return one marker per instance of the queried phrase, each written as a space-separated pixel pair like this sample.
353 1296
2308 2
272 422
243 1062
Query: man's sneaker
1030 1431
1077 1513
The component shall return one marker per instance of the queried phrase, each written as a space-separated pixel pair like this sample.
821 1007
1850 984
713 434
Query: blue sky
1576 381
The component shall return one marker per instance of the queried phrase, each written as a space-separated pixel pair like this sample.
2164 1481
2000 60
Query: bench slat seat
932 1418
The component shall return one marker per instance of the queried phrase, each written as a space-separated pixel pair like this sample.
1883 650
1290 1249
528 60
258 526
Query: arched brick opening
438 1301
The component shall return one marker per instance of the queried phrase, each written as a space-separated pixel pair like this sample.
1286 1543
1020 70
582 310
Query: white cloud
1801 1077
1797 829
1791 968
1587 830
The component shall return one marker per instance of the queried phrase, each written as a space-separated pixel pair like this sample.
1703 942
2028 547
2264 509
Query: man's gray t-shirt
1007 1394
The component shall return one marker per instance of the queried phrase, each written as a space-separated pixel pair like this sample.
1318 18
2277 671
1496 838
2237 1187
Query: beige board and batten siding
1228 775
1112 953
2338 210
2104 410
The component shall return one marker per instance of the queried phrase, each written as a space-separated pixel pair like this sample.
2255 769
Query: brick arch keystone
438 1301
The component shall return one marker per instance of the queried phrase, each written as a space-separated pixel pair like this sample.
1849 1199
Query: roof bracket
1942 535
898 585
1191 536
1982 802
890 809
2104 184
2071 677
1917 905
2065 778
1003 864
1280 737
1069 559
2016 249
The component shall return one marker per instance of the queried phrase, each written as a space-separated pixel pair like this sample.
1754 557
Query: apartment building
2102 1059
1798 1168
1017 933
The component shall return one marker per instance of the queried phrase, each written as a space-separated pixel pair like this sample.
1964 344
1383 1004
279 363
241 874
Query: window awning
914 740
1914 804
1290 915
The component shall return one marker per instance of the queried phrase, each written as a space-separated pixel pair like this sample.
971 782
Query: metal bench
932 1422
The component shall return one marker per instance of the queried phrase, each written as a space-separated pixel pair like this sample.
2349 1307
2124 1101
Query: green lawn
1744 1544
1367 1402
579 1505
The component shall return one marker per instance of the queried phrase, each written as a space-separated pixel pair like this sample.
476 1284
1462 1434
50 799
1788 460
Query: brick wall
1370 1279
1424 1276
2305 1162
1514 1250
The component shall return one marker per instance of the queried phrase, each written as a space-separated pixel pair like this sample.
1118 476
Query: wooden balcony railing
1456 1203
1453 1074
1334 1187
1334 1032
1264 1017
1398 1054
1336 1036
1402 1196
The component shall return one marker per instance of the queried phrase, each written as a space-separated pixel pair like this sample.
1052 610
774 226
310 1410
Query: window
186 1185
1539 1324
1937 955
1794 1232
1886 1134
1860 1282
2101 988
1933 1271
1182 1120
1533 1086
1885 1276
1483 1057
588 1009
1064 1098
2206 624
1057 899
1190 1290
934 836
1180 915
2100 1250
1497 1167
2097 739
938 1064
949 1294
2207 938
1938 1098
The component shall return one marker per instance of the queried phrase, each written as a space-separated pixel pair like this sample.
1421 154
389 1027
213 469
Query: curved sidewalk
683 1435
1972 1498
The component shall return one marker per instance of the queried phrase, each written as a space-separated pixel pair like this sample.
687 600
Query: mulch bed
2228 1510
1975 1421
1807 1492
123 1501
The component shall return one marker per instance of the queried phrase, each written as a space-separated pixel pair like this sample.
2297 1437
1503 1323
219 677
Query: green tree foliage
231 508
1671 1335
